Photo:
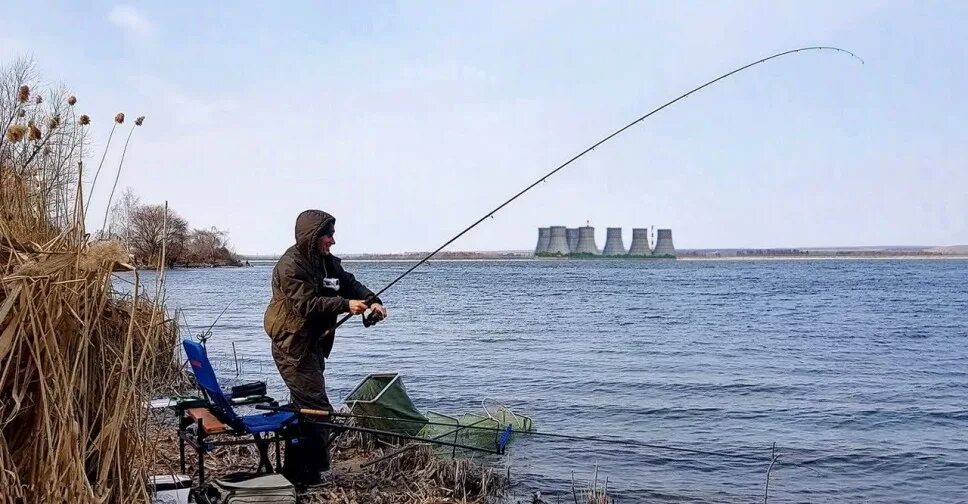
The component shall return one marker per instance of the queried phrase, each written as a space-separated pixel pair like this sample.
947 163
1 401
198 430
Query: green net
384 396
481 429
381 402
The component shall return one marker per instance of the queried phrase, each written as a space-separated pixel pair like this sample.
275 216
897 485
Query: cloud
183 108
131 21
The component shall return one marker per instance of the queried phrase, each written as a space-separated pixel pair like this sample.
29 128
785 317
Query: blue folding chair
219 417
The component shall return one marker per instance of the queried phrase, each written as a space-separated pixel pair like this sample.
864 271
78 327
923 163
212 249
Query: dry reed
77 361
594 492
417 476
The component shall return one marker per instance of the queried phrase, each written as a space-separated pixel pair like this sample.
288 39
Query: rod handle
301 411
313 412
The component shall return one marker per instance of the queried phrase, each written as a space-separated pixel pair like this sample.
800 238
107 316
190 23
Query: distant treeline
150 232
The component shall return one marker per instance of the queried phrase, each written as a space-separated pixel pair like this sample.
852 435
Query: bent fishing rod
327 416
368 321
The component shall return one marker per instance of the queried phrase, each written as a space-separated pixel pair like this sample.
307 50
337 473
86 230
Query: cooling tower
640 243
663 244
572 239
586 241
613 242
544 236
558 244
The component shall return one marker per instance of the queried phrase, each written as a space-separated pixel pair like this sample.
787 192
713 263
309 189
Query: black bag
249 389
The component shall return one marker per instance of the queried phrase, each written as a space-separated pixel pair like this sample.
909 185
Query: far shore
830 258
501 257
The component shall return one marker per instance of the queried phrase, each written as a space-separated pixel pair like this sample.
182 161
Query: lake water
857 370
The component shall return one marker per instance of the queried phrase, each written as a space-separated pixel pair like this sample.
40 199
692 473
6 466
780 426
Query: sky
408 121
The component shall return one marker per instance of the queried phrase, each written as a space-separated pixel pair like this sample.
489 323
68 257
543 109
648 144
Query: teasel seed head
33 132
16 132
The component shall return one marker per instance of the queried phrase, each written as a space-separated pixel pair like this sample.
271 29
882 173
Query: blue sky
410 120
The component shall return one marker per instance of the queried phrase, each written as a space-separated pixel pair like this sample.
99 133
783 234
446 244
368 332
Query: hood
308 226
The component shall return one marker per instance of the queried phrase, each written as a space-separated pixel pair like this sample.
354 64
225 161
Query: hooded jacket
304 305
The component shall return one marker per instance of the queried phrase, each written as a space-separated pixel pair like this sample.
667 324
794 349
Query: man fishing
310 289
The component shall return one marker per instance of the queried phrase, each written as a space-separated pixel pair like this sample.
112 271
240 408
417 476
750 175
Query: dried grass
77 361
593 492
418 476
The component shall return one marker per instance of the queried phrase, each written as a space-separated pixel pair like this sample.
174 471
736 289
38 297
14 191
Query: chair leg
201 465
264 461
200 449
181 452
183 423
278 458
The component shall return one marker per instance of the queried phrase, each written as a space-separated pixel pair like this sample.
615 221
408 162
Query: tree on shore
120 215
207 245
141 228
149 229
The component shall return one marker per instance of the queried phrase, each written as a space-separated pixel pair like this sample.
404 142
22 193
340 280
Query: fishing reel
370 315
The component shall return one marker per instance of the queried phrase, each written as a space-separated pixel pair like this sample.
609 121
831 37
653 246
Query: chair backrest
205 377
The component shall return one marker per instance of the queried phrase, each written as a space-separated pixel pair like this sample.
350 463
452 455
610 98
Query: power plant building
572 239
663 244
614 246
640 243
544 236
586 241
558 243
561 241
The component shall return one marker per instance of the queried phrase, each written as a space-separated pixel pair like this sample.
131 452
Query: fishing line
366 319
543 179
592 439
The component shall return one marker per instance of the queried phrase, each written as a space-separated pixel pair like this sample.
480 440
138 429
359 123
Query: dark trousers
307 454
303 374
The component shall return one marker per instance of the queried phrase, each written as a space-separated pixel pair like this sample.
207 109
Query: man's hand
379 312
357 307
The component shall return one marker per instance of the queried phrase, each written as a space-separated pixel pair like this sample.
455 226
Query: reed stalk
78 359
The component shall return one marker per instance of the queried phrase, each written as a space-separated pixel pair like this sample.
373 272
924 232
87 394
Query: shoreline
898 252
684 258
833 258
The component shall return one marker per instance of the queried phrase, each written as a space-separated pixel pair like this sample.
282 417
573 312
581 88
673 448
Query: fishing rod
328 415
367 317
498 450
501 430
409 447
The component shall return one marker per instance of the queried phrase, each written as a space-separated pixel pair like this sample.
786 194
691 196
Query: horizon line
704 249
